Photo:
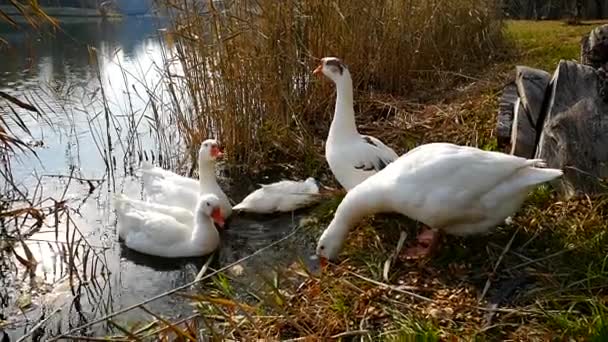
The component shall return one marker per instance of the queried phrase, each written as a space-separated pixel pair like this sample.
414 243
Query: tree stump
519 109
532 85
563 120
574 135
506 109
594 47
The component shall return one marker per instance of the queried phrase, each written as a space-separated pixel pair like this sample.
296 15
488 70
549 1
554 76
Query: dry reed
247 66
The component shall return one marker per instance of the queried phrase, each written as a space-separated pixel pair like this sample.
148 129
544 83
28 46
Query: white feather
352 157
281 196
458 189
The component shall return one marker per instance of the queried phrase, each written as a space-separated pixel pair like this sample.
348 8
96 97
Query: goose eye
322 247
208 204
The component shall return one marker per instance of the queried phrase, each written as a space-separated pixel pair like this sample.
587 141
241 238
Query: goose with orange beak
157 232
166 187
352 157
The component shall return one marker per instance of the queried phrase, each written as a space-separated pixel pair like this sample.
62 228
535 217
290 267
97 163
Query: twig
392 287
200 274
161 329
350 333
99 180
18 102
303 338
519 255
502 255
96 339
60 242
498 325
389 261
37 326
522 311
179 288
451 73
540 259
534 236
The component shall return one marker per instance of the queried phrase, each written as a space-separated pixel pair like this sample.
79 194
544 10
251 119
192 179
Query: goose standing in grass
158 233
283 196
459 190
166 187
352 157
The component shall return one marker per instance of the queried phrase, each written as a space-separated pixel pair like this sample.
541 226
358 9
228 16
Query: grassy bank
542 44
542 277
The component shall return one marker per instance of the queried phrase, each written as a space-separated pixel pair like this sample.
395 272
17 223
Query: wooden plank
575 131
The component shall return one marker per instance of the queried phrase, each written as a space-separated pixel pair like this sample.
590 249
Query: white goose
156 233
456 189
283 196
150 171
166 187
182 215
352 157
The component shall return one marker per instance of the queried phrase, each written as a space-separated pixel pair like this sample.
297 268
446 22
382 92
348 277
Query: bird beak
318 70
323 262
217 217
216 152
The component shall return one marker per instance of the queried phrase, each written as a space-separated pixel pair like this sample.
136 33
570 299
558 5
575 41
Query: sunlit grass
543 43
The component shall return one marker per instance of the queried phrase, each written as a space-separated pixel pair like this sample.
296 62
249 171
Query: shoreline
70 12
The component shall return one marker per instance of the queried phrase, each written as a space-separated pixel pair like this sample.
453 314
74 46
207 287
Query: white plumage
352 157
166 187
154 230
283 196
456 189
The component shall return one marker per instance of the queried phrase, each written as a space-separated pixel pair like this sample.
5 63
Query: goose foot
428 241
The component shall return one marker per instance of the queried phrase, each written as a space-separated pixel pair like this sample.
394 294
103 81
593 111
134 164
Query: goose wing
373 155
448 167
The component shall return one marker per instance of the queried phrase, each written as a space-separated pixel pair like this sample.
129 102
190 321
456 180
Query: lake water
58 75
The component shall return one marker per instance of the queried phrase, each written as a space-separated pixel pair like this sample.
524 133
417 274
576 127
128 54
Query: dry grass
247 69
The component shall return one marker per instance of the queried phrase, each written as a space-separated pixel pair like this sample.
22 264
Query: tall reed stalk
247 65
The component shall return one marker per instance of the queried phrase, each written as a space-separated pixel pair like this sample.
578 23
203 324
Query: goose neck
206 172
204 233
343 123
358 203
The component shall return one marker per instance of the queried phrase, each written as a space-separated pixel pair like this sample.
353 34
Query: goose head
209 205
332 68
363 200
330 242
312 181
210 151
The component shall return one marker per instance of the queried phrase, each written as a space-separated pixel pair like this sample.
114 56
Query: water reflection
59 76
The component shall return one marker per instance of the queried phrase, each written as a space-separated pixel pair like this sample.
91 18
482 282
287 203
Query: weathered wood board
563 119
532 85
594 47
506 109
574 136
